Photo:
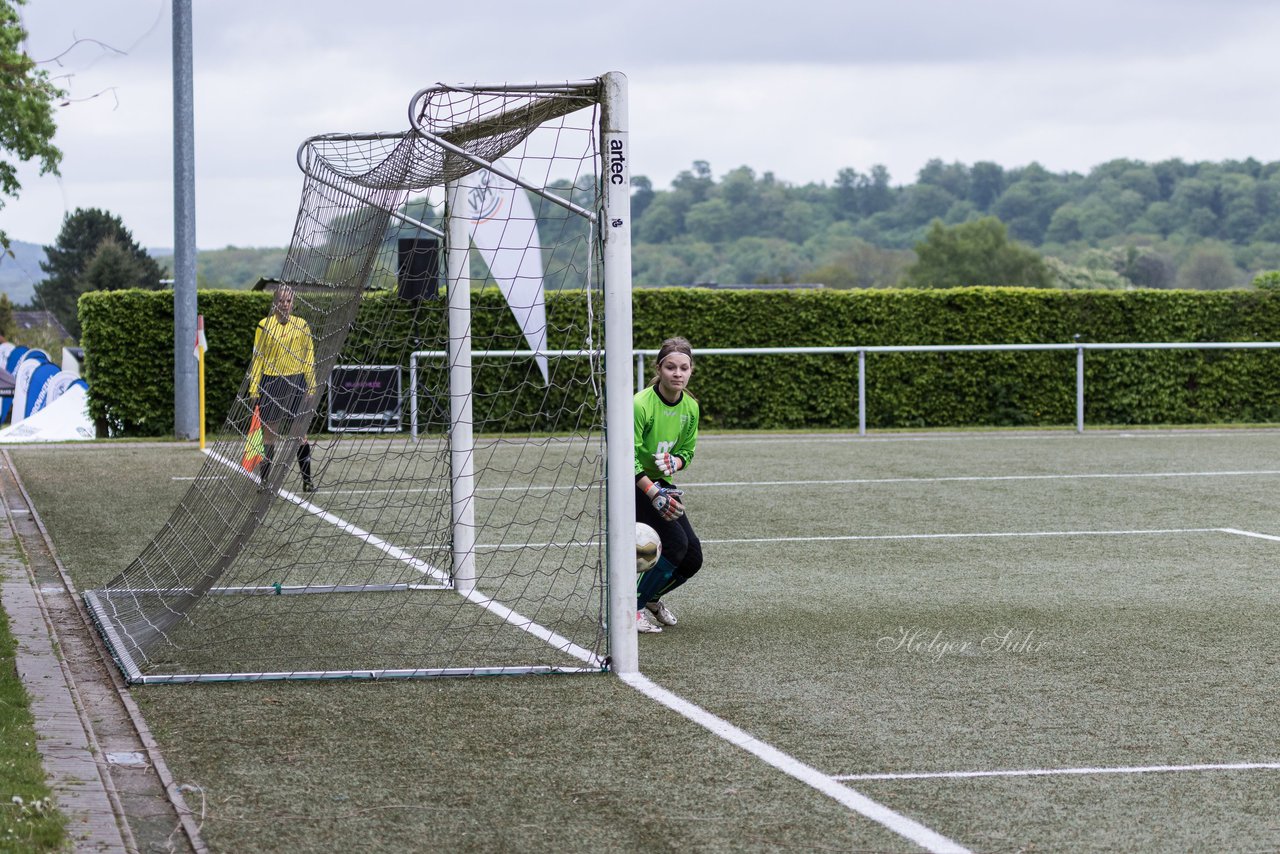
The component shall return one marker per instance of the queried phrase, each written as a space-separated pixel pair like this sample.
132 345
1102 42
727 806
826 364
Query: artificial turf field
1013 641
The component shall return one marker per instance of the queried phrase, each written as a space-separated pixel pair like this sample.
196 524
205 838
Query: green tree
1072 277
1196 201
761 259
799 221
845 200
975 253
83 234
112 268
1210 268
26 108
923 203
986 183
954 177
7 326
740 189
1267 281
846 261
1029 201
698 183
710 221
661 222
641 196
652 265
1144 266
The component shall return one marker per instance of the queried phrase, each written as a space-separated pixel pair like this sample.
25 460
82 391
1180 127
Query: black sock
304 461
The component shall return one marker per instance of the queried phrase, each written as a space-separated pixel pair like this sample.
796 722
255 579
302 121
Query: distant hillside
233 267
19 274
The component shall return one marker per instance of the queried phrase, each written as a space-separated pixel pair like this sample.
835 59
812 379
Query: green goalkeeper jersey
662 427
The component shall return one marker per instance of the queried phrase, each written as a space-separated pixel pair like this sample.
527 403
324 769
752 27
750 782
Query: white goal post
500 542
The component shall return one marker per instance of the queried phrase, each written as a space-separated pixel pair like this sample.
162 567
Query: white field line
900 824
413 490
864 481
1240 533
494 607
908 828
896 822
1050 772
1139 532
831 786
980 478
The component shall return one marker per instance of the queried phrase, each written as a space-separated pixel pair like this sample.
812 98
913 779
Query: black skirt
282 397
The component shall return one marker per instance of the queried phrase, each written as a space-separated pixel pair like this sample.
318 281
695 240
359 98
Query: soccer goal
492 238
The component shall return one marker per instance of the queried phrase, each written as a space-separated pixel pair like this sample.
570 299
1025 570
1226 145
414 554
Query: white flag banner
202 343
505 234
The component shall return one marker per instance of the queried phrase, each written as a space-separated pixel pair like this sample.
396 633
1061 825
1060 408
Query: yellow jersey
281 350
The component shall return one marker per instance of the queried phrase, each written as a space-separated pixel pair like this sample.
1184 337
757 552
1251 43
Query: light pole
185 402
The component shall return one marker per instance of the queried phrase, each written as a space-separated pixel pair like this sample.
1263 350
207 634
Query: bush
128 340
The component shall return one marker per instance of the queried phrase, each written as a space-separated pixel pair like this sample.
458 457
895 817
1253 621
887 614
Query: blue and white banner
66 418
24 371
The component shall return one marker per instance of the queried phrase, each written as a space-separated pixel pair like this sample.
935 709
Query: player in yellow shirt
282 380
666 436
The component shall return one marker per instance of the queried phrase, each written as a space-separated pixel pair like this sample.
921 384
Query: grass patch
29 821
1117 557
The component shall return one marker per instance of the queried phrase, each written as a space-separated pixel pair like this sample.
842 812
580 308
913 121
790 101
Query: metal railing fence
861 352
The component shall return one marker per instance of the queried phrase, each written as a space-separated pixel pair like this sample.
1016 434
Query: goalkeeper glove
666 500
668 464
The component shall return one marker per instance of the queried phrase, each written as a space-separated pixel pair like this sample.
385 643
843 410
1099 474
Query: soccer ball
648 547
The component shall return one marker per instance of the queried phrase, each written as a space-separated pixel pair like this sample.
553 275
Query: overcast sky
801 89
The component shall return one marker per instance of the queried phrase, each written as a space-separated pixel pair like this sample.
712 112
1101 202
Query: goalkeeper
283 376
666 434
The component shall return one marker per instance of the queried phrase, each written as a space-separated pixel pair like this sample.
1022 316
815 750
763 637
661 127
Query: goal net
412 480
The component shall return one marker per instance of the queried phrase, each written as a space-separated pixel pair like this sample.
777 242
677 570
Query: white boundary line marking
906 827
975 535
1137 532
982 478
847 537
1255 534
832 785
896 822
1049 772
829 785
857 481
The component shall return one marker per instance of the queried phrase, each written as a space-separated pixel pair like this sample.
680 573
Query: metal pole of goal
462 440
615 234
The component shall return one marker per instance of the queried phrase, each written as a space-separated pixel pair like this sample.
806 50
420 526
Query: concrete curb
105 770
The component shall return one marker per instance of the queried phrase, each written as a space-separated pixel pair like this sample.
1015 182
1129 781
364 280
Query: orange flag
253 447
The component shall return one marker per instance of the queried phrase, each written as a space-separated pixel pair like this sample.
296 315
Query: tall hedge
128 341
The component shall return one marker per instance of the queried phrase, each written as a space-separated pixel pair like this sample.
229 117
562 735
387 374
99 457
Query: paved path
106 774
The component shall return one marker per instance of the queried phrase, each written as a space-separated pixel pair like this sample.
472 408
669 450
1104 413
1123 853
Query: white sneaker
644 625
662 613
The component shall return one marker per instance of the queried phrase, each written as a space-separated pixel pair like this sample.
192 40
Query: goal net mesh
254 578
